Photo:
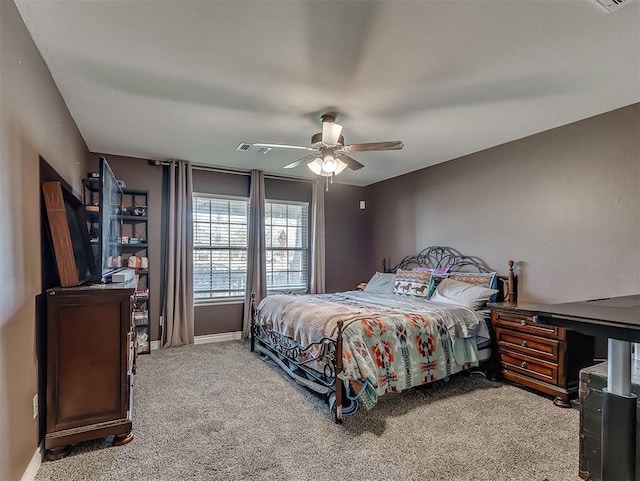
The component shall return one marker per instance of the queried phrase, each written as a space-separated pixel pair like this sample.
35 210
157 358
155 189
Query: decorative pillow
473 296
485 279
410 283
381 283
436 279
417 275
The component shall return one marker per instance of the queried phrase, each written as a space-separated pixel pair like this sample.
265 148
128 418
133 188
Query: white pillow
381 283
450 291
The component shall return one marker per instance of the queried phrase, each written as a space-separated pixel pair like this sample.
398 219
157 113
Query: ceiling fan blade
285 146
307 158
391 145
353 164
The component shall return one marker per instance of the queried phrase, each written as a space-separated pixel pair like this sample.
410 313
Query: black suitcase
592 380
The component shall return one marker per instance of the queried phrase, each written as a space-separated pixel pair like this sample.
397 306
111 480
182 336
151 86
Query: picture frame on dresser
67 232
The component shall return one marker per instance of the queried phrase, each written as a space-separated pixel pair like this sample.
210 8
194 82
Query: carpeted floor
217 412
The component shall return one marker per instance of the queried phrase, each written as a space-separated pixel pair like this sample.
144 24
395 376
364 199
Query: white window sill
211 302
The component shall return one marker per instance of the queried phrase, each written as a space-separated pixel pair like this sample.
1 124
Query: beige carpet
217 412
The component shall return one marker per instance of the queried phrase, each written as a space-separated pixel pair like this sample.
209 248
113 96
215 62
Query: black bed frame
296 360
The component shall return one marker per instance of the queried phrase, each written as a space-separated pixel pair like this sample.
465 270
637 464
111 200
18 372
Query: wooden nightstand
541 357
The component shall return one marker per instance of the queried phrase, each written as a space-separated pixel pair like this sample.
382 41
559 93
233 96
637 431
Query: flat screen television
109 258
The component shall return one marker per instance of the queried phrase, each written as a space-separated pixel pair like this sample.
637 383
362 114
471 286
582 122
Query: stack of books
140 317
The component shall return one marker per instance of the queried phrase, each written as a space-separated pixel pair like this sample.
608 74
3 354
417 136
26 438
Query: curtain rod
229 170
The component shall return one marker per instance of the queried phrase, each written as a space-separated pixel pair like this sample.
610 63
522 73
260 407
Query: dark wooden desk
617 318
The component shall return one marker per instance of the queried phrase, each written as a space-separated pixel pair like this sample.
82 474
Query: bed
353 347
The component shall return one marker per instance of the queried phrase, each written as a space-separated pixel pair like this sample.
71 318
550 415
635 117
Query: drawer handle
524 343
523 365
523 322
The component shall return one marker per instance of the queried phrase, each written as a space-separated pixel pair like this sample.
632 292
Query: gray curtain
256 255
177 302
317 284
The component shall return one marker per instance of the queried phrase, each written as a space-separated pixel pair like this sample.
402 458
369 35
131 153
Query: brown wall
565 204
344 241
34 122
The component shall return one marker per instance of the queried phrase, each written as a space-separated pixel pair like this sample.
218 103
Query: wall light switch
362 205
35 406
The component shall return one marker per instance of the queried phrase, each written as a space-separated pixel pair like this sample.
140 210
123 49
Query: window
219 247
287 239
220 226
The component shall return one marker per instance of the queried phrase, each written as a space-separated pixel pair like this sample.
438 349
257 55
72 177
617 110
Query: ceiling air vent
244 146
612 5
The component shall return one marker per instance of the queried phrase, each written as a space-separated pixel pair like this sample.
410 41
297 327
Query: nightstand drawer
535 346
525 324
529 366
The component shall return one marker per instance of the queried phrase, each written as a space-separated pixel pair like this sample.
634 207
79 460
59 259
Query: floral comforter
390 342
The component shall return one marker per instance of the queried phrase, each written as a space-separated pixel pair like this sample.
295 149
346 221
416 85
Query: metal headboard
437 257
446 258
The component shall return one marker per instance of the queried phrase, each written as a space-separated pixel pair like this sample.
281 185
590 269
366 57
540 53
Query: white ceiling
191 79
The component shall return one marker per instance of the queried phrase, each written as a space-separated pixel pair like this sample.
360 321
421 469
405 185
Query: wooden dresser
90 365
541 357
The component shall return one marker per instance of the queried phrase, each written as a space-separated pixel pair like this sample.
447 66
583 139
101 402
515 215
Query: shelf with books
132 217
135 255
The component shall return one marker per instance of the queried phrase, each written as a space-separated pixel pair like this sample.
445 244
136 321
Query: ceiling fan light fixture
316 166
326 166
331 133
329 164
341 166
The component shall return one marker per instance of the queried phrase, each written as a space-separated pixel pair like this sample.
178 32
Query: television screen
79 242
110 198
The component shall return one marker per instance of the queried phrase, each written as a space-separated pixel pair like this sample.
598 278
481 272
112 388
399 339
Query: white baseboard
33 467
222 337
208 338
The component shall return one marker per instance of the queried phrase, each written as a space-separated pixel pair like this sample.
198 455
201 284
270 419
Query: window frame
200 301
306 249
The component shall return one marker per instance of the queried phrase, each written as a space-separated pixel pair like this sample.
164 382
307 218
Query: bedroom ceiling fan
329 155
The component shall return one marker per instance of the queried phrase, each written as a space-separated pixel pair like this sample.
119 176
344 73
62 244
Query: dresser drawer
529 366
535 346
518 322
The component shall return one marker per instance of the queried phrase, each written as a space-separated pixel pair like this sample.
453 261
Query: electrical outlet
35 406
